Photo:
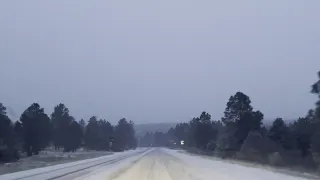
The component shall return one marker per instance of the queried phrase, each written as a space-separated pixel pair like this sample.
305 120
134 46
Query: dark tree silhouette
98 134
6 128
132 140
240 118
73 137
83 124
204 131
315 88
315 116
105 133
237 106
7 137
278 131
124 135
36 128
61 120
302 133
91 136
181 132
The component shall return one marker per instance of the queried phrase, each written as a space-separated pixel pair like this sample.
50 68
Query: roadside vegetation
35 131
241 134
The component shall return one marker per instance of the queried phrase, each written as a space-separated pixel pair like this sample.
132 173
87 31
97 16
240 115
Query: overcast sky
159 60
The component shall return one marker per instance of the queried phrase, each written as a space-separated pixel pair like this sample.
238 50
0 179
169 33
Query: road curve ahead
165 164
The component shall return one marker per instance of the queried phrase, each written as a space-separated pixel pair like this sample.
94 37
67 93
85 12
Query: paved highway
150 164
75 169
165 164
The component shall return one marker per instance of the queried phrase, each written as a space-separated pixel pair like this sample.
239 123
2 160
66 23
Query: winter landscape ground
48 158
152 164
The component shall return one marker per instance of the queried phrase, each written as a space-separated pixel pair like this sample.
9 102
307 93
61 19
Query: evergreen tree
237 106
36 129
302 134
18 131
132 140
314 115
278 131
315 89
82 124
181 132
240 118
125 135
7 137
105 134
204 131
73 137
6 128
91 135
61 120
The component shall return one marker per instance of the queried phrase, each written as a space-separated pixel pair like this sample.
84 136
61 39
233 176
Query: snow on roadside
49 169
225 170
49 158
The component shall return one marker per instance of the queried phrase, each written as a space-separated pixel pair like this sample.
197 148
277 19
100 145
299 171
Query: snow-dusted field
49 157
74 169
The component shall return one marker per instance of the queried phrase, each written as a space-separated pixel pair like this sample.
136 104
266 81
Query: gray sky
153 61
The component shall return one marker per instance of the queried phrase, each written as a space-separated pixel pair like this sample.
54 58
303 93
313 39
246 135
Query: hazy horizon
159 61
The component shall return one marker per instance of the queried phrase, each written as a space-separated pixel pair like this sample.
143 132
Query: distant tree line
35 131
240 133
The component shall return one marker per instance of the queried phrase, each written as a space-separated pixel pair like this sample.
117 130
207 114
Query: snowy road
165 164
75 169
149 164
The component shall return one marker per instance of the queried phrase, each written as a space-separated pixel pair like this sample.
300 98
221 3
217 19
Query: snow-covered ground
231 171
150 164
165 164
72 170
49 157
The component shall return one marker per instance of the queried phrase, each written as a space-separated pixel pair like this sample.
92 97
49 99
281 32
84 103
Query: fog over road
165 164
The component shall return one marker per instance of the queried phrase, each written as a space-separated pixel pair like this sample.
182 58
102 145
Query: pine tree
91 135
36 129
240 119
61 120
74 136
8 151
315 89
278 131
204 131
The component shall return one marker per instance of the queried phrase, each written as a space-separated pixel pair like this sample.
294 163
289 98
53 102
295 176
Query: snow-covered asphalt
165 164
75 169
149 164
